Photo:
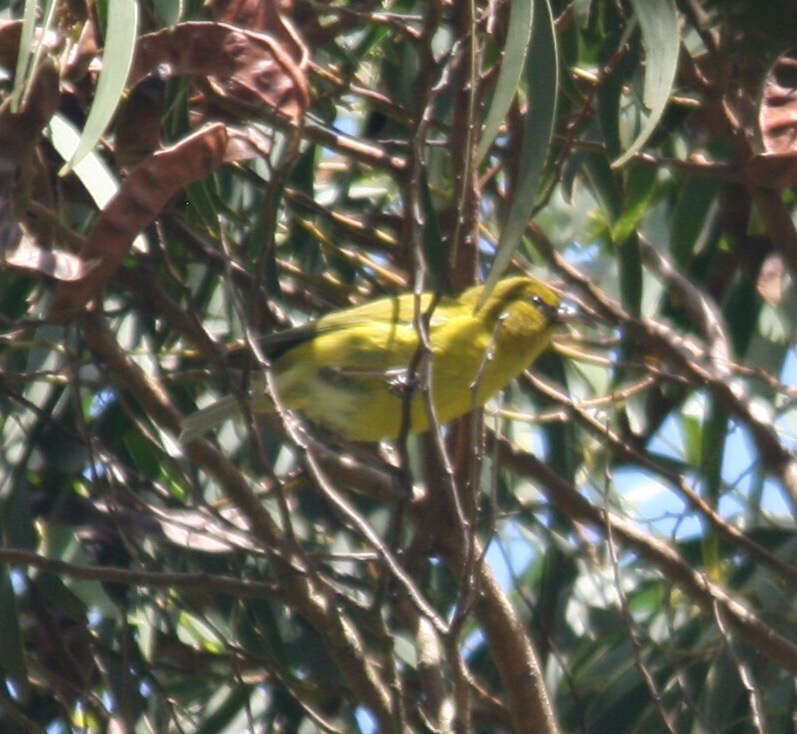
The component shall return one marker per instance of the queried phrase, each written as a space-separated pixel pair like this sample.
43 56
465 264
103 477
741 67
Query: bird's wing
277 344
388 311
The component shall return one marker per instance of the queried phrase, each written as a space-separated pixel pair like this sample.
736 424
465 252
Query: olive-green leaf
658 21
518 37
542 73
117 58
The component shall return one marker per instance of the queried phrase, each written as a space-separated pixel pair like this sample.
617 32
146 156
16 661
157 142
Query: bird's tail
200 422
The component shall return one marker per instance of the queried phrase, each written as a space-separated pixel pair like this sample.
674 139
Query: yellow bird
348 371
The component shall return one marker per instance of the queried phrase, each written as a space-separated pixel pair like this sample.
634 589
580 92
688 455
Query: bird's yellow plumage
348 371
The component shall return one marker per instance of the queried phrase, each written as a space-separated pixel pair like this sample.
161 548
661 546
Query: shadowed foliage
609 546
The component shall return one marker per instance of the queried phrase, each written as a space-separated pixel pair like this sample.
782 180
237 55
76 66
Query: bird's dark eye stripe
549 310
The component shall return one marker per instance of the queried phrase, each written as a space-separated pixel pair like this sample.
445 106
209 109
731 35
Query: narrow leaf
24 54
30 54
639 191
658 21
518 37
14 665
436 253
92 171
117 59
542 72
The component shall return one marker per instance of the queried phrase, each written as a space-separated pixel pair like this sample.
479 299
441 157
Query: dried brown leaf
57 264
138 124
255 67
10 33
20 132
144 194
772 279
777 115
772 170
256 15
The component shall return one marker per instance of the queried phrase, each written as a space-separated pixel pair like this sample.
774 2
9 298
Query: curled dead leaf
772 170
772 279
777 115
255 67
142 197
56 264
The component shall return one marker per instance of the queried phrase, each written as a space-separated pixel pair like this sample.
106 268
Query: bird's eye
549 310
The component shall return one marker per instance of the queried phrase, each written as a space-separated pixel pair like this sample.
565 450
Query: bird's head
522 303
